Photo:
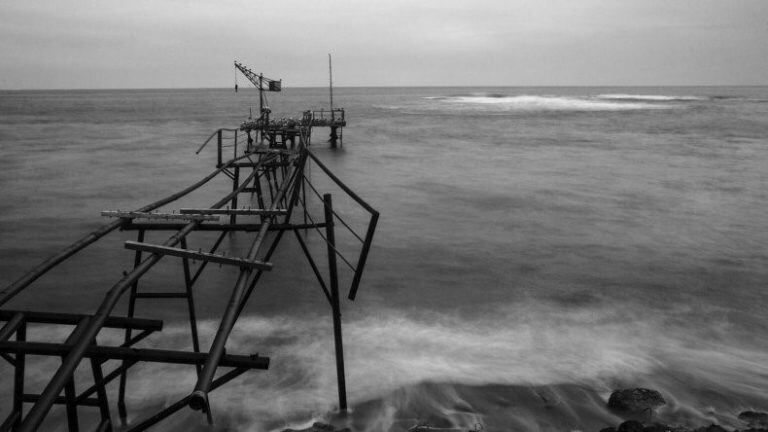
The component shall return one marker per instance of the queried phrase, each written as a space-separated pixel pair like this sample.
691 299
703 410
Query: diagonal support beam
196 255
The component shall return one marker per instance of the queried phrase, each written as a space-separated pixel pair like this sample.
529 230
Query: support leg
190 304
334 137
122 412
259 194
235 185
334 282
71 394
18 379
101 391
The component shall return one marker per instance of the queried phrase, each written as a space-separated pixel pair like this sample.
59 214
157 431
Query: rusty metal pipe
16 287
69 363
198 400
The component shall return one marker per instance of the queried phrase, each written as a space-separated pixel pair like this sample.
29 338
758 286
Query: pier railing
334 117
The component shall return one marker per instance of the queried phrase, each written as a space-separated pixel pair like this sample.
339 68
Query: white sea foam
648 97
551 103
524 344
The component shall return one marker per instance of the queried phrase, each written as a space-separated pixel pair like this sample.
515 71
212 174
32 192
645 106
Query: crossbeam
237 211
197 255
136 354
163 226
74 319
267 150
164 216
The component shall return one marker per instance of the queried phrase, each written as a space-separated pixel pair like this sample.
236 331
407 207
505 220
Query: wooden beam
234 211
197 255
164 216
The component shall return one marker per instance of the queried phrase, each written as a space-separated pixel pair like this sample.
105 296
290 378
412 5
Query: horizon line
390 86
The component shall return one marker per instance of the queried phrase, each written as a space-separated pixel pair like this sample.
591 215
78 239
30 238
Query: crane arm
261 83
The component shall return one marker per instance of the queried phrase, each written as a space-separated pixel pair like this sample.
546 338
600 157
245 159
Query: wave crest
648 97
549 103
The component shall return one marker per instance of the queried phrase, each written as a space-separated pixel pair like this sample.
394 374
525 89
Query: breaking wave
453 371
643 97
548 103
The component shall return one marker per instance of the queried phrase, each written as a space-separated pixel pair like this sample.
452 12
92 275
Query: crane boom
259 80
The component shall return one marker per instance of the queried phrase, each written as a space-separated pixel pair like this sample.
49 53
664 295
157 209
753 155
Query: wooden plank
234 211
164 216
197 255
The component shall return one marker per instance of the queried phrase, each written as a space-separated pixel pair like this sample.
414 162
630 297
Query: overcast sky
146 44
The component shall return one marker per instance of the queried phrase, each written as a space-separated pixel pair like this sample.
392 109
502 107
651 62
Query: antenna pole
261 94
330 80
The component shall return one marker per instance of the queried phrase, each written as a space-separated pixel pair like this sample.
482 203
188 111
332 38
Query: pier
270 198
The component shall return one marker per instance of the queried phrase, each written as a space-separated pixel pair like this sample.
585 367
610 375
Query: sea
537 249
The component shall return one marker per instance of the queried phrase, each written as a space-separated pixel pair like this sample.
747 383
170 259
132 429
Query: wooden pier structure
270 169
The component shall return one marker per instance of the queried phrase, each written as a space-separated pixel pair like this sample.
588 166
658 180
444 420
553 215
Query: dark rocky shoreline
633 404
644 401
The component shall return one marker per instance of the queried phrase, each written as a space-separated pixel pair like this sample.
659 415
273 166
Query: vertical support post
336 309
259 194
101 391
218 148
304 200
334 137
330 82
18 379
70 394
235 185
122 412
190 303
234 155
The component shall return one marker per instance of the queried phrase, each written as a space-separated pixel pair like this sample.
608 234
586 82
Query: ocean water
537 248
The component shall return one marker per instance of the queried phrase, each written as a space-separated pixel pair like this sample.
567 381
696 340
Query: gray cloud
112 44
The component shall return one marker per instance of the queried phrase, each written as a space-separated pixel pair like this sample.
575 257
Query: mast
261 94
330 81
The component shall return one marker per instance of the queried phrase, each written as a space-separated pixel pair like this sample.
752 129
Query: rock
608 429
318 427
657 427
754 418
635 400
711 428
631 426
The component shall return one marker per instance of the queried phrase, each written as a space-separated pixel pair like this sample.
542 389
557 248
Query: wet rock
635 400
754 418
657 427
631 426
318 427
711 428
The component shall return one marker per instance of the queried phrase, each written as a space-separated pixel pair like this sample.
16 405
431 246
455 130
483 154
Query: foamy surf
649 97
548 103
533 362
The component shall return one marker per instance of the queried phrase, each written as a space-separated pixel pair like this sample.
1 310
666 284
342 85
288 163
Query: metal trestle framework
274 180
